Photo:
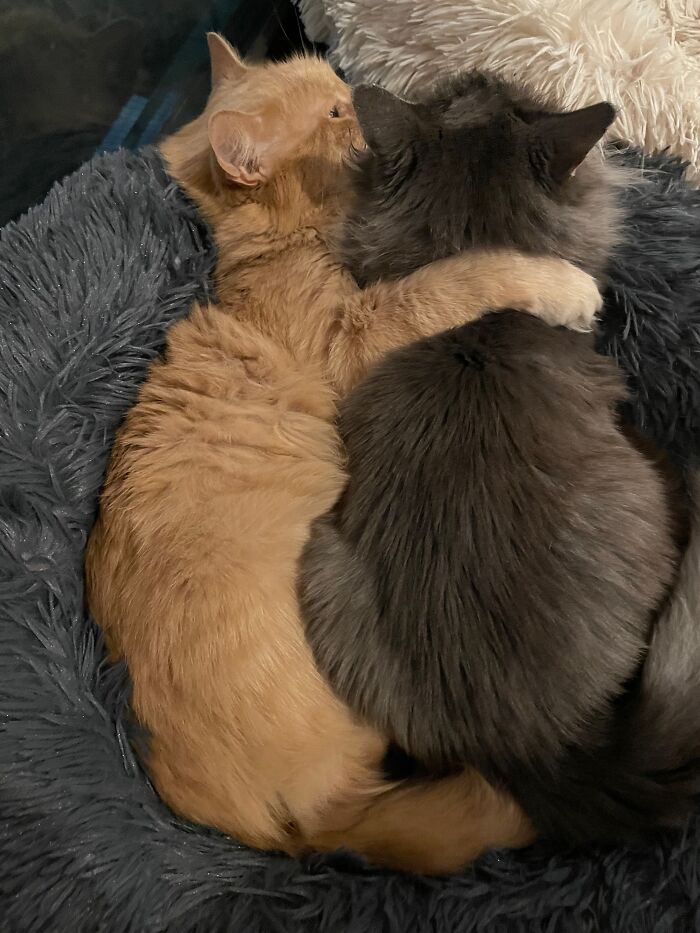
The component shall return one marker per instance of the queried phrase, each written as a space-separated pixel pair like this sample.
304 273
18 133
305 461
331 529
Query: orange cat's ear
225 61
247 146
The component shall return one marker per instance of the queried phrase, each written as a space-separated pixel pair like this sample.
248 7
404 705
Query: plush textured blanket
643 55
89 282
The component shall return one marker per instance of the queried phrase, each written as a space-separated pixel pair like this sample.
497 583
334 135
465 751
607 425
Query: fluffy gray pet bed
89 282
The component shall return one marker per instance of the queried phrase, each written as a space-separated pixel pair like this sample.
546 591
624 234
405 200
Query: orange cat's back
191 572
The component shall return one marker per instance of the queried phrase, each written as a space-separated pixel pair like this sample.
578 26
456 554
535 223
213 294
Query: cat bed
643 55
89 282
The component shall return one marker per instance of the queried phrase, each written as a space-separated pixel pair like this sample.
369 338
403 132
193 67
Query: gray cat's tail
664 726
649 778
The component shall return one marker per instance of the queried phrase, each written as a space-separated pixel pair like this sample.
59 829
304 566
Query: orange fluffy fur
229 455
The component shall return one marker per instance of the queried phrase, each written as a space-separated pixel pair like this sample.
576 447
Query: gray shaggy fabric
651 321
89 282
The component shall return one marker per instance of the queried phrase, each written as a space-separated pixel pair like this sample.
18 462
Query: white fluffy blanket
643 55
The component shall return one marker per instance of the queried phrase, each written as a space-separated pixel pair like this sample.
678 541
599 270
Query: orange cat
231 453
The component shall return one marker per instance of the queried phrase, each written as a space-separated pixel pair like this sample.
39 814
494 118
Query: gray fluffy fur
484 590
458 171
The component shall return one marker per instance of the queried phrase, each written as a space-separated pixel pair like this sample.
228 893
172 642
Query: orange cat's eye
334 112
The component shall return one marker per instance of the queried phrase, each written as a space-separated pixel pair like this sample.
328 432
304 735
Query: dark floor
77 76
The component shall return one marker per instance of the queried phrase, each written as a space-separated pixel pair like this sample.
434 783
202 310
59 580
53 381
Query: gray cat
484 590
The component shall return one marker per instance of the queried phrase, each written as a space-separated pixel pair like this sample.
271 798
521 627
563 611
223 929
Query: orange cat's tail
431 827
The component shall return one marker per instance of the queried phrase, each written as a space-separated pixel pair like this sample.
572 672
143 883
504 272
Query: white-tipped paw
570 299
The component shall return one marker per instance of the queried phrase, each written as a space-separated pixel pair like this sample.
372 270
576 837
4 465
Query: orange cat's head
271 133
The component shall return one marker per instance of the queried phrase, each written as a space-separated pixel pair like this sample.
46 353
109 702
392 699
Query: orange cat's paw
572 299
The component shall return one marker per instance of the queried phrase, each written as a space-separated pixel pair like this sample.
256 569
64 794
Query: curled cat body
485 589
230 454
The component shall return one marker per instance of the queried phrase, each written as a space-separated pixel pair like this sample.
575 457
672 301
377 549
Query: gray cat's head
478 164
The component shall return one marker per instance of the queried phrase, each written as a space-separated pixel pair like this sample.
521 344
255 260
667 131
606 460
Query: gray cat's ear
384 118
225 61
567 138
